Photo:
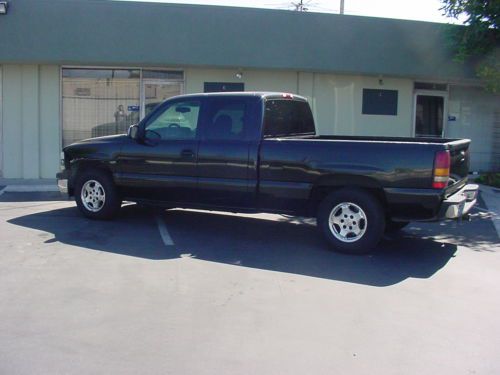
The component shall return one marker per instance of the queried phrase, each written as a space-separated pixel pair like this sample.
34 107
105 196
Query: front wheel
352 220
96 195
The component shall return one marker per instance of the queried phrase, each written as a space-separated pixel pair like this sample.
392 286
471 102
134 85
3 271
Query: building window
380 102
431 86
223 86
98 102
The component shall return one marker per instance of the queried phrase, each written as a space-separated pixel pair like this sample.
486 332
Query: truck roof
260 94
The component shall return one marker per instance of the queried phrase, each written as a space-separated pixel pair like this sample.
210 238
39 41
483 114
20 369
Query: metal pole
341 6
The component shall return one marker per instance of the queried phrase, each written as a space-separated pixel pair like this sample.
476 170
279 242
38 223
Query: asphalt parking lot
192 292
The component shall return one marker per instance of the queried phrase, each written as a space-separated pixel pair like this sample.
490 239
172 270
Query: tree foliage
480 38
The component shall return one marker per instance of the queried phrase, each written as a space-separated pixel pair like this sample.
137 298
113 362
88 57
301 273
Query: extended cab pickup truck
259 152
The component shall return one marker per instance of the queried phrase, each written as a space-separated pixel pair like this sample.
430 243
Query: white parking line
3 190
165 236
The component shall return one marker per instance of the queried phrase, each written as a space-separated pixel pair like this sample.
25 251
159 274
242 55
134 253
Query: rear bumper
459 204
430 204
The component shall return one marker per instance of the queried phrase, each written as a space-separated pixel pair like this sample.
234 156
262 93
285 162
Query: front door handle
187 153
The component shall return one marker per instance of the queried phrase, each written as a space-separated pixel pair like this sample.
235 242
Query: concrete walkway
28 185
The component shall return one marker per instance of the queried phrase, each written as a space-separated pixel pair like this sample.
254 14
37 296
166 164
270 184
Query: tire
394 226
352 221
96 195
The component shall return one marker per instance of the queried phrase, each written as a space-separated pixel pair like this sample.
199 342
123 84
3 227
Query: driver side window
177 121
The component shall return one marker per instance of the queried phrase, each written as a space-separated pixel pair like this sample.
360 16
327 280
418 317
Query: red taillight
287 96
441 170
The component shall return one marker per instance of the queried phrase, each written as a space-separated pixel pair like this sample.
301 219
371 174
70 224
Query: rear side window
287 117
226 119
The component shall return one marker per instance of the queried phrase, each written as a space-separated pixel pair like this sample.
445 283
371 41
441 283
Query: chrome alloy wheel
93 196
347 222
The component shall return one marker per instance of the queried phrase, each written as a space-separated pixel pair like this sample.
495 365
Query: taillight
441 170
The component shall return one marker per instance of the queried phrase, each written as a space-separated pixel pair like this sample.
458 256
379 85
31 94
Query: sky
420 10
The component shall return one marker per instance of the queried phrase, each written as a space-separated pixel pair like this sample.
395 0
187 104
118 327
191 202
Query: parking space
196 292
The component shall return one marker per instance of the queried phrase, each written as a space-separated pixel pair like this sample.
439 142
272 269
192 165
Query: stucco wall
30 121
474 111
336 100
30 133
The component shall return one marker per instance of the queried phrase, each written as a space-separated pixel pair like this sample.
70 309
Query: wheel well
84 166
320 192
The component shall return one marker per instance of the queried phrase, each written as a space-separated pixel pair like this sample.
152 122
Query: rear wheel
351 220
96 195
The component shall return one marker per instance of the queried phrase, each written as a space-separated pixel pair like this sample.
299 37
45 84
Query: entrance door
430 114
1 127
153 92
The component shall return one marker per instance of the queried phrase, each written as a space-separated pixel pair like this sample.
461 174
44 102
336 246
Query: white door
153 92
1 126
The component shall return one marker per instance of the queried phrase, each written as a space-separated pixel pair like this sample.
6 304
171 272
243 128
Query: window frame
111 67
263 130
445 96
250 132
366 105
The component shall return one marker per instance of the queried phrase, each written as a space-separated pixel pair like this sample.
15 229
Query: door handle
187 153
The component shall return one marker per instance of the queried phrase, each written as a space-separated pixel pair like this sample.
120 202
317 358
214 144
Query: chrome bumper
62 182
63 186
459 204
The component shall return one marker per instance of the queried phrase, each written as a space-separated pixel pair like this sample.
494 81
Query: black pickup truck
259 152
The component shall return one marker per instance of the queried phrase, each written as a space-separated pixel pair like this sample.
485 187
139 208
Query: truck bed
396 164
438 141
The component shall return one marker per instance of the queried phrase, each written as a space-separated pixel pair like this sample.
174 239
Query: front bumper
459 204
62 181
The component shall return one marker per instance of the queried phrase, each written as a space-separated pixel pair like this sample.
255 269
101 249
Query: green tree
479 40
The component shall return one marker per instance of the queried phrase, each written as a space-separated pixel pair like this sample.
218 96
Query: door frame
153 81
1 123
444 95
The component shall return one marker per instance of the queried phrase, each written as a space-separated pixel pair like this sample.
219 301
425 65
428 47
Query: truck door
227 154
162 166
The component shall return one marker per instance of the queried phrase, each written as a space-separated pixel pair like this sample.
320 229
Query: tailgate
459 162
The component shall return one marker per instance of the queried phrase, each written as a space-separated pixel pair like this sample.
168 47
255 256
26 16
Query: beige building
73 75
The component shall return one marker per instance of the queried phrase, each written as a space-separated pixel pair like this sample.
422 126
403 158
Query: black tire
394 226
103 210
370 226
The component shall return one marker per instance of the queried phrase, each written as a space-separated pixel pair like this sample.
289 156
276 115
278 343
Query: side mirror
133 131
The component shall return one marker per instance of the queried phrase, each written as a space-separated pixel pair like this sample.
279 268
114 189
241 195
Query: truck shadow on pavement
273 245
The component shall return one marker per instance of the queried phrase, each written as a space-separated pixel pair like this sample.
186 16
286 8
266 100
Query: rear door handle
187 153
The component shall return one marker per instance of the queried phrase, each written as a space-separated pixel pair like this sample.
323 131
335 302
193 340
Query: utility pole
341 6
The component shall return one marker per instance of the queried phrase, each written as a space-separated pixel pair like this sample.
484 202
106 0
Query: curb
30 188
491 198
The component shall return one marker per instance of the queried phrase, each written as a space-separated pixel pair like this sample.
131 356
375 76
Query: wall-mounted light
239 75
4 5
380 80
